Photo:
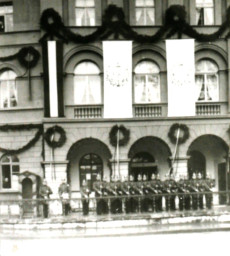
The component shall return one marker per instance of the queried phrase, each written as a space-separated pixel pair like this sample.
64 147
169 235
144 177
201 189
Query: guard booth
29 183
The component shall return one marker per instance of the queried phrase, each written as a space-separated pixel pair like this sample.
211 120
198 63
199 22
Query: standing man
44 193
85 192
64 194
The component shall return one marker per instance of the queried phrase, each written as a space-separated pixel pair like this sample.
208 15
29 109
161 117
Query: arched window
9 167
87 83
146 82
207 85
8 89
143 163
90 166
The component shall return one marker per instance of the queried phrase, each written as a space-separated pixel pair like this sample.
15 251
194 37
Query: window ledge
9 191
20 108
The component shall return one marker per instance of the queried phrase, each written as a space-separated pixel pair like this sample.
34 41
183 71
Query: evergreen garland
22 55
113 135
113 23
30 144
174 128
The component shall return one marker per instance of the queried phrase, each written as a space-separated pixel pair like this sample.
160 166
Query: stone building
87 150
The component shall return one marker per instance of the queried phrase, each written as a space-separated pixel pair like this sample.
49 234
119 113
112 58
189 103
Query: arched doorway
149 155
196 164
212 150
87 158
142 164
27 193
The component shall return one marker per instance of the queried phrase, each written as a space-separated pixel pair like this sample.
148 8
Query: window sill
9 191
20 108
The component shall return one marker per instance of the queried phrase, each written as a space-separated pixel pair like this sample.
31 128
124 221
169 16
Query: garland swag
50 133
22 56
113 23
113 135
30 144
172 136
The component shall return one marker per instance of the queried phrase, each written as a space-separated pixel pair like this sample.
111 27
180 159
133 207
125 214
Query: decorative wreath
175 14
125 135
23 54
172 133
113 13
51 20
50 133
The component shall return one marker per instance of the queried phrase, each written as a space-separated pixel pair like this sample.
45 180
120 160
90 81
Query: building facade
84 147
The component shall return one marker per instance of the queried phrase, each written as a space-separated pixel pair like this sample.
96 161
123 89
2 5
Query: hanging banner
53 78
181 77
117 79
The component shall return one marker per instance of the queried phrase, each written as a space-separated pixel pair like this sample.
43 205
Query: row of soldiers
147 196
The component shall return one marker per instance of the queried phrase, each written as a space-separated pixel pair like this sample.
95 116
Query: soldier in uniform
182 191
114 189
200 186
146 202
132 201
170 188
194 189
208 184
101 192
64 194
45 192
85 192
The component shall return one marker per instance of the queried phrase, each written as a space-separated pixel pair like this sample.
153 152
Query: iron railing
34 207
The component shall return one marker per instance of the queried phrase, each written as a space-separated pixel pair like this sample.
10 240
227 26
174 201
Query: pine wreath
125 135
172 133
50 132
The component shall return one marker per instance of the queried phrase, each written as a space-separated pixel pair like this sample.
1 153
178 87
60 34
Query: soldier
193 188
200 186
101 192
45 192
146 202
114 189
64 194
187 196
126 188
208 184
85 192
170 188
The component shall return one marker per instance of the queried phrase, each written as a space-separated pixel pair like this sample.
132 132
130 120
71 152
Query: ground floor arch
87 158
208 156
149 155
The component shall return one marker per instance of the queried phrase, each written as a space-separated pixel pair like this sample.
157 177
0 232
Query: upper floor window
9 167
207 86
6 16
146 82
8 89
204 12
87 83
85 12
145 12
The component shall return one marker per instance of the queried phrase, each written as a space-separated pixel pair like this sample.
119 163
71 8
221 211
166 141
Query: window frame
84 9
204 21
8 84
146 75
11 164
99 75
144 8
205 75
6 27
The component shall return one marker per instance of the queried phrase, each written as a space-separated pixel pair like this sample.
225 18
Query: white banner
181 77
52 60
117 79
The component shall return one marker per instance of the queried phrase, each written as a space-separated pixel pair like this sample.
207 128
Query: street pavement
180 239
